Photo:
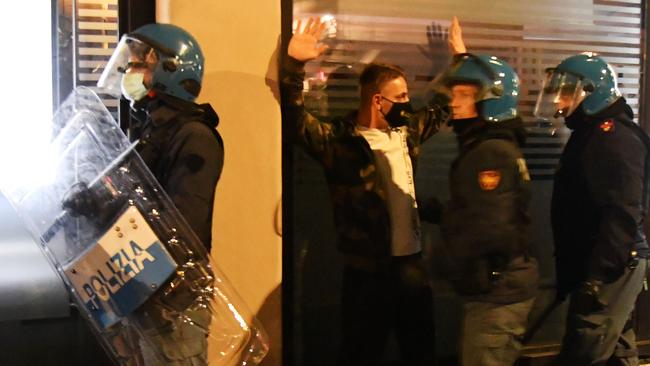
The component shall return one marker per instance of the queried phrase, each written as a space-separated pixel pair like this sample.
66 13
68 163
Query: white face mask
133 87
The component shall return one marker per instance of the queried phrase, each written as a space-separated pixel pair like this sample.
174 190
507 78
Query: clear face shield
459 95
561 94
129 69
467 82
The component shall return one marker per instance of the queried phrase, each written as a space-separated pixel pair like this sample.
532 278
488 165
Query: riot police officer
485 223
159 69
598 210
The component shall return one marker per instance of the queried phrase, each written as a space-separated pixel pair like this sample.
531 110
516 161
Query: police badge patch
119 273
607 126
488 180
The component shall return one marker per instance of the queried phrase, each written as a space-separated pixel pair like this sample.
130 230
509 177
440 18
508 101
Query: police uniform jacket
182 148
485 225
359 199
598 205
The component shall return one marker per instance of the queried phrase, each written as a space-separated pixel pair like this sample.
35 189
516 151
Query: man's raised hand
456 43
304 46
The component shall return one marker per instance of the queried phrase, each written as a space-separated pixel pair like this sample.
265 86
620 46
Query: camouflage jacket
359 200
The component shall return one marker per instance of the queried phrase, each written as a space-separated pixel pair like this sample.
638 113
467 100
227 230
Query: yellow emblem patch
489 179
523 169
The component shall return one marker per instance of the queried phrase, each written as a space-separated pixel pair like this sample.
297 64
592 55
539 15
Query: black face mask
399 114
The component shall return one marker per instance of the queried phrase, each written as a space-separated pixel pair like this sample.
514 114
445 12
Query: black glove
97 203
586 298
438 109
81 201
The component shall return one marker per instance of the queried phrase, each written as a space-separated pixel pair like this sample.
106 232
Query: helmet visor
459 91
470 70
130 55
561 94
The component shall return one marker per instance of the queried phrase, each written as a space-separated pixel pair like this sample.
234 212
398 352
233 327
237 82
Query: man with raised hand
369 158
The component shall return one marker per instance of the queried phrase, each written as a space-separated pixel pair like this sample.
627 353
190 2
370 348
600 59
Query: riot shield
131 263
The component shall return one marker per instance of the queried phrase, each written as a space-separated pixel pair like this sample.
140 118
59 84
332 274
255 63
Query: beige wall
238 39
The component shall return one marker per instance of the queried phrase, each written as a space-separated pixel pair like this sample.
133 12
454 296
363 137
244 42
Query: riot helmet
496 82
585 80
158 58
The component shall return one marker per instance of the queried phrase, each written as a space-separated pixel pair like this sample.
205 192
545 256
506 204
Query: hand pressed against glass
304 45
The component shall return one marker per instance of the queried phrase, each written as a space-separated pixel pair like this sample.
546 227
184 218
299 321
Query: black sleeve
197 158
614 165
429 118
488 218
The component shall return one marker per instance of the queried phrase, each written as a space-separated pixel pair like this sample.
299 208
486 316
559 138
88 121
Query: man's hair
375 75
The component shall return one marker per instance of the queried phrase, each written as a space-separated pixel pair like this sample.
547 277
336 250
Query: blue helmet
585 80
170 53
497 82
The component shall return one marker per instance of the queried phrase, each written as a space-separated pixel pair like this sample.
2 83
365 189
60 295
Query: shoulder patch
607 126
523 169
489 180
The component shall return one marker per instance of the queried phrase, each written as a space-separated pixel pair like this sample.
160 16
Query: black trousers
396 297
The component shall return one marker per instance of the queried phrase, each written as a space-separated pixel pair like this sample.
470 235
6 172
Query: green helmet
497 82
583 80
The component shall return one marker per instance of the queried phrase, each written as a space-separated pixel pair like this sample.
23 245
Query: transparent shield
131 263
561 94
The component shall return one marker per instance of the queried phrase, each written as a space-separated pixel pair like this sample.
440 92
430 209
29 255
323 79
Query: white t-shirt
396 176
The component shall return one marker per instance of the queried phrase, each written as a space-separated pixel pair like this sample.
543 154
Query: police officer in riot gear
485 223
598 210
159 69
